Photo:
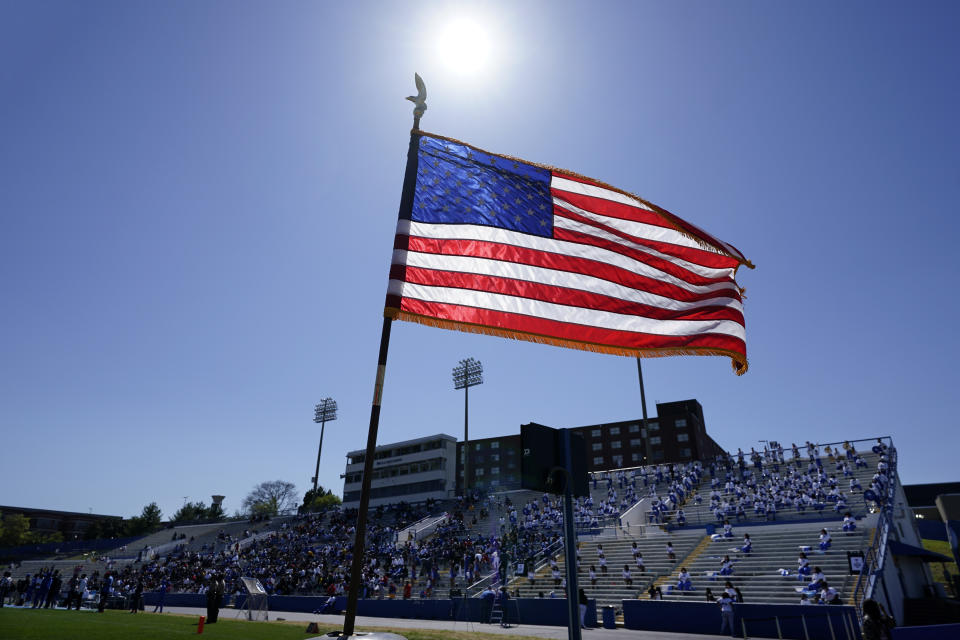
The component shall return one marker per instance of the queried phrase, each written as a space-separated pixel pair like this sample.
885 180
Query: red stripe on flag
666 266
560 262
574 333
557 295
634 214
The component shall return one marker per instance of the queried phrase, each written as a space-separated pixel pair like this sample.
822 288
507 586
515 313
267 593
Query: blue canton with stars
460 185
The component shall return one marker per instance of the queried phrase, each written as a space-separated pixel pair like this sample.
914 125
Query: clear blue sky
198 201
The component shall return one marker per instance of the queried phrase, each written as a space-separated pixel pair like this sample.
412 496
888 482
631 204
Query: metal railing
876 554
540 560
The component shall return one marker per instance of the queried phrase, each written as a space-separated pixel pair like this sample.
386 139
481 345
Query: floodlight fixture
324 412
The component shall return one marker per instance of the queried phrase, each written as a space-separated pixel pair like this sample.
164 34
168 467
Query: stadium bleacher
310 554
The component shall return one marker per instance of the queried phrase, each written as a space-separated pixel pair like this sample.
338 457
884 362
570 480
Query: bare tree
270 498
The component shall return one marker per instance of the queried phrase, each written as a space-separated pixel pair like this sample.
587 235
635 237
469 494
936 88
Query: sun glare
464 46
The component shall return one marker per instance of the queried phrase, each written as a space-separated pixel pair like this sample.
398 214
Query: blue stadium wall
543 611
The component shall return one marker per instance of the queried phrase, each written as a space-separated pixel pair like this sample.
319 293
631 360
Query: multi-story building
72 525
676 434
410 471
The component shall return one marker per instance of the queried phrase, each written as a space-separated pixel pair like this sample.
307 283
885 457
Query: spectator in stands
593 576
849 523
817 580
824 540
828 594
803 598
726 613
639 560
709 595
747 544
727 529
671 555
683 580
803 565
726 566
627 578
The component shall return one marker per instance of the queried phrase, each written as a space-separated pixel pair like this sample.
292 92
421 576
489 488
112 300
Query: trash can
711 529
609 618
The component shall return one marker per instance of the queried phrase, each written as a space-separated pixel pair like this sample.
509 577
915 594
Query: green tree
103 529
16 529
35 537
146 522
215 512
190 511
270 498
322 499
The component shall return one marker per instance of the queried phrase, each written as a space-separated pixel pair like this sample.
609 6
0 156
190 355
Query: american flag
501 246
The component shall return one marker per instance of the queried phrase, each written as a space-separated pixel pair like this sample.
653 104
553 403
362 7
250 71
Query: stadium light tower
323 412
469 373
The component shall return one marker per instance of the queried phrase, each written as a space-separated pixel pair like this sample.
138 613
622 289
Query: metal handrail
540 561
876 553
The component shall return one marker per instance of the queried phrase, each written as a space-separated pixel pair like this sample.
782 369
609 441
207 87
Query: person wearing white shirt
824 540
726 613
627 578
683 580
828 594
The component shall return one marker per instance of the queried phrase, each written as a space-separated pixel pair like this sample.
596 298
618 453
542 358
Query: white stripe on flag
638 229
563 313
549 245
542 275
580 227
564 184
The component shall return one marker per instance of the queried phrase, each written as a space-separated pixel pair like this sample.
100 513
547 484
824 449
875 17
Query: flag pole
648 449
406 206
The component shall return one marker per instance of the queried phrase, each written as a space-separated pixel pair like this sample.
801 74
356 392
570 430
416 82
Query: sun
464 46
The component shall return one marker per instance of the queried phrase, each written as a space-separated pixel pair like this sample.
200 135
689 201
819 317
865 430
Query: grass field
46 624
937 569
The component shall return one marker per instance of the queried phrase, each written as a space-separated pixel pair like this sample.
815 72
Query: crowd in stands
311 554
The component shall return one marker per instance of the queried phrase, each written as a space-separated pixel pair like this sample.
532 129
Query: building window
653 426
479 472
634 428
477 446
495 471
595 433
614 431
636 442
656 440
615 444
598 461
494 457
597 446
685 453
635 457
683 437
681 422
618 461
495 445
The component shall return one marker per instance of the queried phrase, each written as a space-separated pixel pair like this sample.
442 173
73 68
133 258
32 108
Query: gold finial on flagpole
419 101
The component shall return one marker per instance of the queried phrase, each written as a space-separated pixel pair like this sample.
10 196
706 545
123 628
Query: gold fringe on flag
739 364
